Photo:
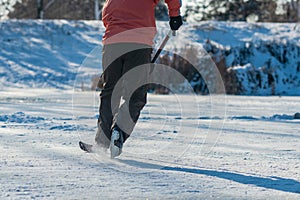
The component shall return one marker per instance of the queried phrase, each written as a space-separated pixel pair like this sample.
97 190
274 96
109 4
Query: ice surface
256 154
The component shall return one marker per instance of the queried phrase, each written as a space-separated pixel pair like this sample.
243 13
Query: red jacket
133 20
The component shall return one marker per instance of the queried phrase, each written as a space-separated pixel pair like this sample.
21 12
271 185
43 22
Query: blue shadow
275 183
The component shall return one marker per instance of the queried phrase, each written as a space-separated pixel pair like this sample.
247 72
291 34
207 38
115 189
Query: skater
127 43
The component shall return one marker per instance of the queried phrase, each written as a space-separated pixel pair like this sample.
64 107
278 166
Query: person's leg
134 101
112 71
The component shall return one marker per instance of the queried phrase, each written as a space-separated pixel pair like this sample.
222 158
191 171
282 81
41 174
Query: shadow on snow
275 183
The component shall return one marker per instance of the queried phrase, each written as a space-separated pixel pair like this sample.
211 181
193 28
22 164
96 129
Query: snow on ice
255 155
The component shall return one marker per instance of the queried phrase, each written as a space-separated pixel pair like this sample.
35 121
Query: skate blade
85 147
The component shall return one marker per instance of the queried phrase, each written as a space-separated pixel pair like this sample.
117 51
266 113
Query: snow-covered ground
251 151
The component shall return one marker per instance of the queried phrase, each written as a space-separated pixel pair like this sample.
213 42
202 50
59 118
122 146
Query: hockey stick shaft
163 44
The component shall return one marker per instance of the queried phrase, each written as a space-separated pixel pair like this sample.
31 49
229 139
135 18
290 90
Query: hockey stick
163 44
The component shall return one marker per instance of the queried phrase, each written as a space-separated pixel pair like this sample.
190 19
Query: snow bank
259 59
45 53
